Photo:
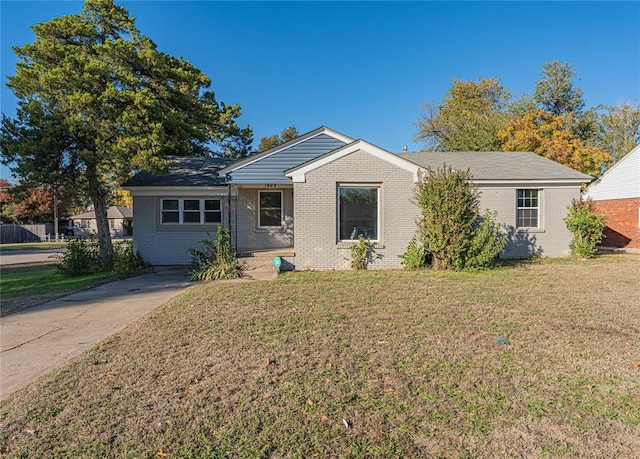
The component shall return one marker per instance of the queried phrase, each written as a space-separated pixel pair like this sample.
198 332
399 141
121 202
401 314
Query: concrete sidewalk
37 340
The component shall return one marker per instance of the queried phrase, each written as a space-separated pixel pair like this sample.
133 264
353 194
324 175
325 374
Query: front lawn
530 360
25 286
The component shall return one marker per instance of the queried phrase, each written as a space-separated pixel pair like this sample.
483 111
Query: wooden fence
24 233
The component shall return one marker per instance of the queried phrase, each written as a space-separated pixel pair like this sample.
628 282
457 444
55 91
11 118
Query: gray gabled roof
184 171
499 165
112 212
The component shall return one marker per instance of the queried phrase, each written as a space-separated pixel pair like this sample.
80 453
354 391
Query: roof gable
298 173
269 166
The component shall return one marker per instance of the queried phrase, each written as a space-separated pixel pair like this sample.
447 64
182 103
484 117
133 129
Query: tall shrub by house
450 229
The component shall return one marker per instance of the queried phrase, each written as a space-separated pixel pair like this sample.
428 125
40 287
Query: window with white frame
269 209
528 208
358 212
188 211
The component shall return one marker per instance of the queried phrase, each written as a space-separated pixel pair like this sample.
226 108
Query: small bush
216 259
361 253
587 228
82 257
126 262
415 257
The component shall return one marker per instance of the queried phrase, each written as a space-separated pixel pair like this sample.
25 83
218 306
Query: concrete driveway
37 340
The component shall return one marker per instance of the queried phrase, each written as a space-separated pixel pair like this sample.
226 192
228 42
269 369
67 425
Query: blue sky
365 68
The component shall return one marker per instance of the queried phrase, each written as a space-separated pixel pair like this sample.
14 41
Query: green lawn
32 246
24 286
530 360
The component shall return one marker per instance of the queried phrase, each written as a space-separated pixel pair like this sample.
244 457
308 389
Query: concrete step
258 268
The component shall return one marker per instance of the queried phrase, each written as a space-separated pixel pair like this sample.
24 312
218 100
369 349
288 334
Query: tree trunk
100 207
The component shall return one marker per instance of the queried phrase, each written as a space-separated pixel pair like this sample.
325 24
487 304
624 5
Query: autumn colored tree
97 101
544 134
30 205
287 134
468 118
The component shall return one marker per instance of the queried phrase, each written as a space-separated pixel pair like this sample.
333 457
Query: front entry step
257 268
258 263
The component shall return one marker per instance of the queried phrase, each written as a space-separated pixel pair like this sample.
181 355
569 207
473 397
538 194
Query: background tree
619 130
467 119
97 101
545 134
287 134
22 204
553 122
555 91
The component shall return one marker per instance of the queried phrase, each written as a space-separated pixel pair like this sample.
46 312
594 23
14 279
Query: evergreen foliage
587 228
450 229
97 100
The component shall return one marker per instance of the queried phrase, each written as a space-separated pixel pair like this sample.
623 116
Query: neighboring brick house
311 197
616 195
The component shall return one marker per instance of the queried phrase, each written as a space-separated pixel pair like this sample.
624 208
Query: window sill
187 228
530 230
348 245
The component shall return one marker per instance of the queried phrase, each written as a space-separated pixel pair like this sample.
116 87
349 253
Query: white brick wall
315 212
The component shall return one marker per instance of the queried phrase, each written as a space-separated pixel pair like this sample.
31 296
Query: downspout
235 200
229 210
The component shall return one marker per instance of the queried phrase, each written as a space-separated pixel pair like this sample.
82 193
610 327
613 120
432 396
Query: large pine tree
97 100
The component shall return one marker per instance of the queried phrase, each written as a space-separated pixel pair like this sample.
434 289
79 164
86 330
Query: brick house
307 200
616 195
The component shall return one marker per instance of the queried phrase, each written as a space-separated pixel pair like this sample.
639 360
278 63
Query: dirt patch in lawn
533 360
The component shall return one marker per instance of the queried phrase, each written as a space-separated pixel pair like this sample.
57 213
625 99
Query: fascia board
177 190
530 183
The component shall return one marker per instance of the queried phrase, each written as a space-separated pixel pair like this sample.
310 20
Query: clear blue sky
365 68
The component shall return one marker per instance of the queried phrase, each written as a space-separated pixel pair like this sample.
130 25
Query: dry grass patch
358 364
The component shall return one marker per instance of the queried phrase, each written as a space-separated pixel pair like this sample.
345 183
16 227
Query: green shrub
81 257
215 260
415 257
587 228
126 262
451 233
361 253
486 244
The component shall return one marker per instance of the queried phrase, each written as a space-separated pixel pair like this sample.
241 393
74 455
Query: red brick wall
622 222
